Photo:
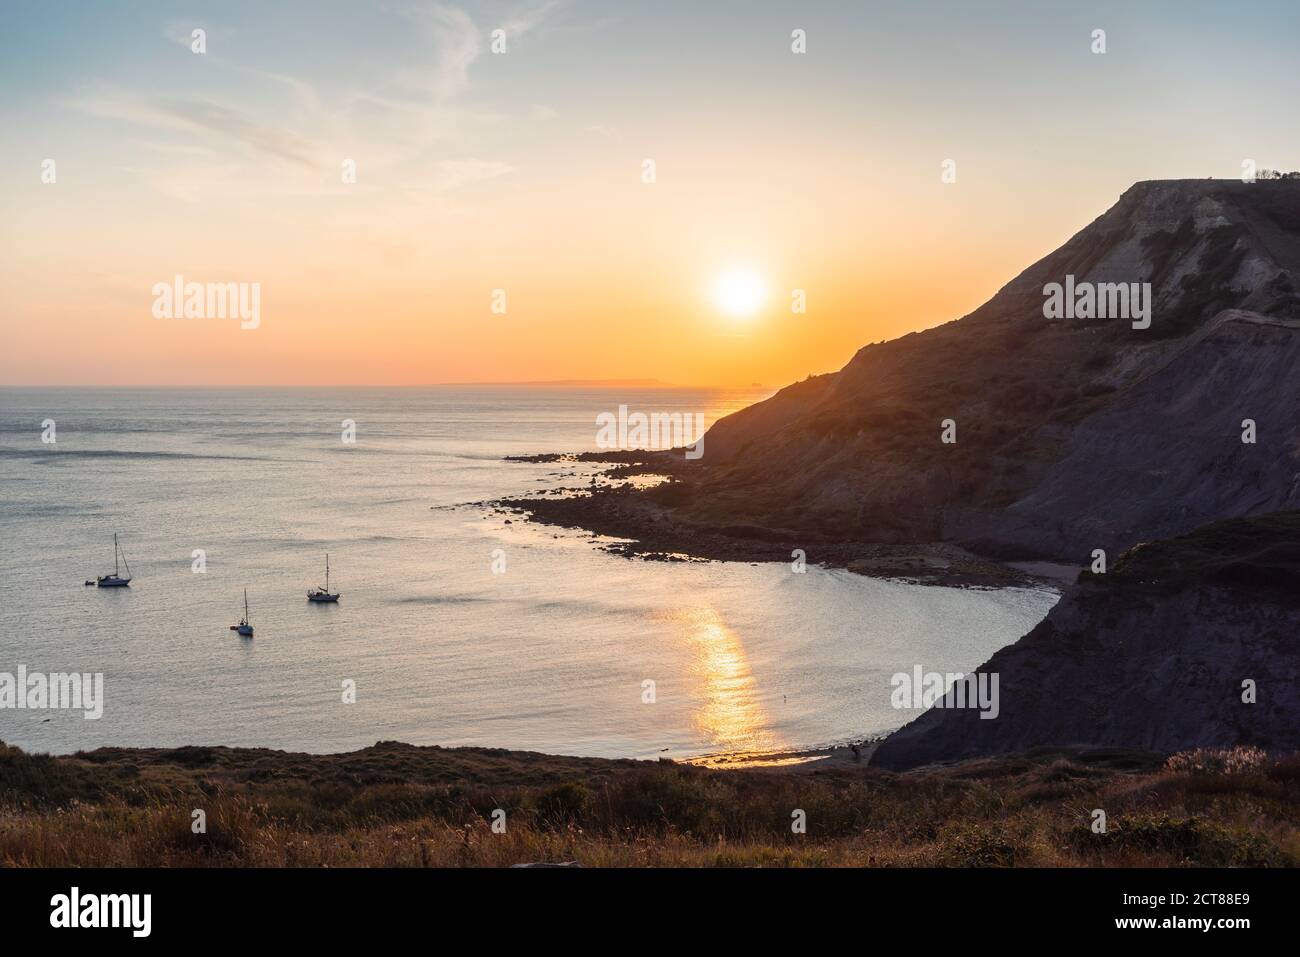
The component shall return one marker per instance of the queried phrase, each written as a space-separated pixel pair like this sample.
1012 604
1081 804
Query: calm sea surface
550 656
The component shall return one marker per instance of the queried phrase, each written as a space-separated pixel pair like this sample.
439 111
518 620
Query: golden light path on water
730 714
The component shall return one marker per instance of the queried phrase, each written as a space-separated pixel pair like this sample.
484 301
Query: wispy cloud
458 46
399 127
225 121
182 31
199 114
453 174
459 42
526 21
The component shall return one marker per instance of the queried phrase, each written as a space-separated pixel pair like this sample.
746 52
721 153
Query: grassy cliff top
399 805
1261 552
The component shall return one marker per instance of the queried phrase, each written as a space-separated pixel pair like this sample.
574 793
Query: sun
739 292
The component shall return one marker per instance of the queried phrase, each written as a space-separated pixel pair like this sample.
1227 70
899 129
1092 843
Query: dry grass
399 806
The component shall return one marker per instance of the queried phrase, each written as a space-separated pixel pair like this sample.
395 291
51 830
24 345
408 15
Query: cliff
1072 434
1153 654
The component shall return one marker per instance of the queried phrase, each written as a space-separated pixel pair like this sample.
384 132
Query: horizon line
524 383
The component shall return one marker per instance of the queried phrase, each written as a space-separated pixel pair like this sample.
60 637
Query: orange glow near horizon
381 174
632 292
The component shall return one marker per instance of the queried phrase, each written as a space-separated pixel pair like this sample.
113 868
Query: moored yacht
244 628
324 594
117 579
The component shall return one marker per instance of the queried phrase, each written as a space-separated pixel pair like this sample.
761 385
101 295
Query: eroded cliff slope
1155 654
1072 434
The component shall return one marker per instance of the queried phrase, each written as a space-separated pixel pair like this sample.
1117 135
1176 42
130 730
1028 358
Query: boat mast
327 571
245 606
115 575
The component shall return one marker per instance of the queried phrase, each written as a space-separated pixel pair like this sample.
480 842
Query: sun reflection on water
731 715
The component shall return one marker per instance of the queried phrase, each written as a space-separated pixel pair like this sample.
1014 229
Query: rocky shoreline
646 527
1174 628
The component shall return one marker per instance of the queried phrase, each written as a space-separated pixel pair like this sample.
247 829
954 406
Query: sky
500 226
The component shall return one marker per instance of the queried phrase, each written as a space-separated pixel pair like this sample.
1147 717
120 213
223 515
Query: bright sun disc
739 293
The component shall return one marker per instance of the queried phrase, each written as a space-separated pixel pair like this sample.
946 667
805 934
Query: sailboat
115 580
323 594
244 628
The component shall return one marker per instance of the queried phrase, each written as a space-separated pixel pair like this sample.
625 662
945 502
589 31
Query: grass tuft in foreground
398 805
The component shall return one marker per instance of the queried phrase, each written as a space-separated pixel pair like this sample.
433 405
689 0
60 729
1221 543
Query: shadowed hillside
1151 655
1072 434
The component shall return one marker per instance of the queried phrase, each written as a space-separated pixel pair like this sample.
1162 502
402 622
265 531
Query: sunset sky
522 171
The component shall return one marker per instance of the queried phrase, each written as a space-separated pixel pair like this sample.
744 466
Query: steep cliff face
1072 434
1152 655
1168 452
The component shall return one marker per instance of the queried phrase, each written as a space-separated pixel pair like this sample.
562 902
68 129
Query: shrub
1238 760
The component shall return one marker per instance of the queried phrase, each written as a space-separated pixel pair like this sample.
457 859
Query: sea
458 624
